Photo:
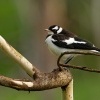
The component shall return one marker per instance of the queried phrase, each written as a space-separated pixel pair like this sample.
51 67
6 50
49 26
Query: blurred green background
22 24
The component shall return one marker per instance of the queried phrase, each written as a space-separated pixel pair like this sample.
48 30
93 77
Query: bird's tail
96 49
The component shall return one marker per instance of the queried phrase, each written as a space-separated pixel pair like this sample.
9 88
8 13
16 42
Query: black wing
77 44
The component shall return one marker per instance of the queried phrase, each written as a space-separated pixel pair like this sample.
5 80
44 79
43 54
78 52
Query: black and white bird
60 40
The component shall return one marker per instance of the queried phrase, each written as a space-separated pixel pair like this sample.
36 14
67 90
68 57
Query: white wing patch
52 39
59 31
72 40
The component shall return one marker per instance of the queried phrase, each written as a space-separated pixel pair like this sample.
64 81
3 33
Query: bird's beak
47 30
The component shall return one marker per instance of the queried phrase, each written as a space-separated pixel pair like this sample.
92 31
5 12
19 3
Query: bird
60 40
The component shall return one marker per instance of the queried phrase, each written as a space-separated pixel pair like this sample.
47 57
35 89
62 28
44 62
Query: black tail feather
97 49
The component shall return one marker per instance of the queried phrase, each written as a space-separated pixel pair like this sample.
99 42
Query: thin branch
81 68
25 64
84 52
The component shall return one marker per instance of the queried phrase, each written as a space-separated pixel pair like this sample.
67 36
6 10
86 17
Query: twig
81 68
78 67
83 52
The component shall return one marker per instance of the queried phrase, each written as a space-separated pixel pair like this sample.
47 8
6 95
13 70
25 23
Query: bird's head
54 29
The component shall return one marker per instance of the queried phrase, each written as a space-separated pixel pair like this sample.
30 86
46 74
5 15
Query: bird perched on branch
60 40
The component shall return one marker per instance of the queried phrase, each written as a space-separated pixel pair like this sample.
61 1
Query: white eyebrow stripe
59 31
72 40
56 28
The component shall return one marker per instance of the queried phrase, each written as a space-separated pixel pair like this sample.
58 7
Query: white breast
55 49
52 47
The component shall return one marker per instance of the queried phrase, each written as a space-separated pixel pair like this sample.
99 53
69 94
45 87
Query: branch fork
41 81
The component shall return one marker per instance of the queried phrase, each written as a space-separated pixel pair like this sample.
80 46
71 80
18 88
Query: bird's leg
68 59
61 68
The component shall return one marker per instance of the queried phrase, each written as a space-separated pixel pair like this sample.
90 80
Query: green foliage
9 21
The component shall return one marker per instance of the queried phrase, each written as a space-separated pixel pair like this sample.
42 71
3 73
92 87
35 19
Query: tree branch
22 61
41 81
45 81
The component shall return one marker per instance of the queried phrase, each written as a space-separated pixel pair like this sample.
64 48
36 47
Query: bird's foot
61 68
